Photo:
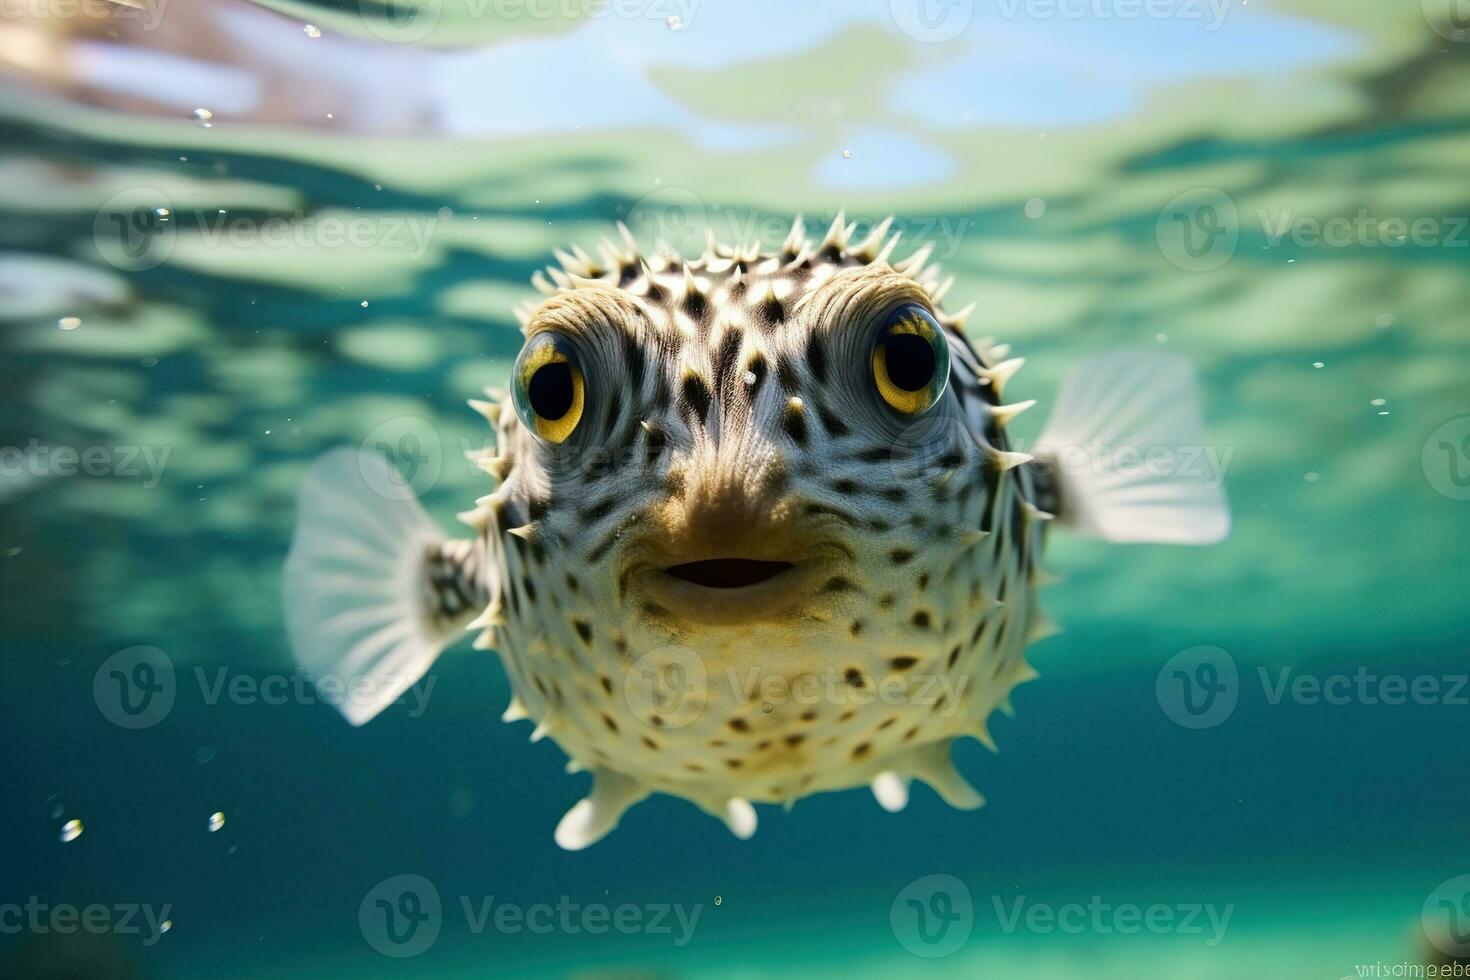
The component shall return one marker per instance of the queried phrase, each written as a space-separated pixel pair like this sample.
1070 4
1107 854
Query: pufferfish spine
813 485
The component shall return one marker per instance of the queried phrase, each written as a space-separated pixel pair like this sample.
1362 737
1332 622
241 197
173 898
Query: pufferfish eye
549 388
911 360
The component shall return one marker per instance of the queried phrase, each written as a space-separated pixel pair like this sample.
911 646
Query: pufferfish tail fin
373 591
1124 454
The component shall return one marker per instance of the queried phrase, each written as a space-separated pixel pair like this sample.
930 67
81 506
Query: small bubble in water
149 362
1312 477
216 821
1161 338
1035 208
165 925
718 900
204 755
1383 320
675 22
1318 364
70 831
768 707
203 117
1379 402
57 811
311 30
69 322
847 154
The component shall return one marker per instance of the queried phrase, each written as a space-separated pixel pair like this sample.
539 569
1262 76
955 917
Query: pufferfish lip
734 589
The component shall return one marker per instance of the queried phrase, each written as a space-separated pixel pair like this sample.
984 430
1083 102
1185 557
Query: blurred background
234 234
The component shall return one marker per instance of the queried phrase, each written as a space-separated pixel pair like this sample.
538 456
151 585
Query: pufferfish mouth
734 589
728 573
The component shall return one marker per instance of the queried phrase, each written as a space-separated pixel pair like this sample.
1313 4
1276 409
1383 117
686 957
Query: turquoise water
1276 191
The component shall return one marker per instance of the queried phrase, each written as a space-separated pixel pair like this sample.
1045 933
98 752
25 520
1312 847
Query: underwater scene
483 494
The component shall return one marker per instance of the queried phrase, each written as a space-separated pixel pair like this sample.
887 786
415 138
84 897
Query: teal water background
1093 182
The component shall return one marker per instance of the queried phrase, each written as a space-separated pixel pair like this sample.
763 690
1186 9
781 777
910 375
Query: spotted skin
729 401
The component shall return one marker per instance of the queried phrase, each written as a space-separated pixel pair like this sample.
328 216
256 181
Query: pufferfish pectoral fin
1125 455
373 592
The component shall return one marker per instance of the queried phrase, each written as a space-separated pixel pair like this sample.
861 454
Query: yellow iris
550 391
910 362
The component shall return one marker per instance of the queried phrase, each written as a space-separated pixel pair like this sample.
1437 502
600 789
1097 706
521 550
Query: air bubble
69 322
216 821
1035 208
311 31
70 831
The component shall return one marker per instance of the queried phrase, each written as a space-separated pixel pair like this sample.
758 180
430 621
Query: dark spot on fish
695 397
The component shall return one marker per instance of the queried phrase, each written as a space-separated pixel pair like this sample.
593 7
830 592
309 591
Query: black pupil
551 391
909 359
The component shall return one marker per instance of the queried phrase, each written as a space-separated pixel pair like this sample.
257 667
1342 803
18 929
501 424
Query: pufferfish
759 531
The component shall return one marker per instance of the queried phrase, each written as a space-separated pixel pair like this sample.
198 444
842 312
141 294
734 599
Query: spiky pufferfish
759 530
